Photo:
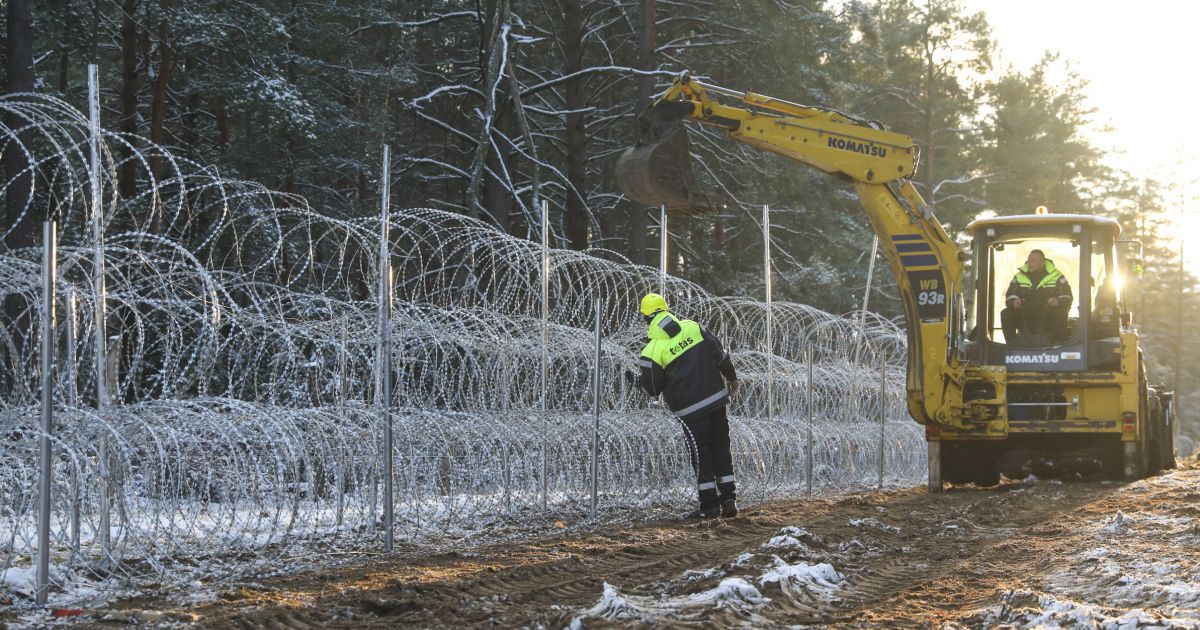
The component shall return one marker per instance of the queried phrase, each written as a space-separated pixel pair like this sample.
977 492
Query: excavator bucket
658 170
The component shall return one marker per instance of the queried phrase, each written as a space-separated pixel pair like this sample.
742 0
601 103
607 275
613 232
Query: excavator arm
927 264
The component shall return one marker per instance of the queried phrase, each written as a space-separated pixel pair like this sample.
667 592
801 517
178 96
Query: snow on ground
733 593
20 580
1134 576
792 536
873 522
1030 609
800 582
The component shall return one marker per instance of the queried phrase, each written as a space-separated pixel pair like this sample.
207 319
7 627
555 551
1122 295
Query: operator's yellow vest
1049 280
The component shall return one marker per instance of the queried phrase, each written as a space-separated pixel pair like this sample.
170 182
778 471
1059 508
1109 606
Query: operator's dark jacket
1036 288
687 365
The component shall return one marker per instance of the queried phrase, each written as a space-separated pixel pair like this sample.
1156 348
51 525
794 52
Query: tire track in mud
943 552
527 589
930 558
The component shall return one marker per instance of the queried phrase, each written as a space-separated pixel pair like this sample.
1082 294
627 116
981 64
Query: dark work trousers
711 458
1033 317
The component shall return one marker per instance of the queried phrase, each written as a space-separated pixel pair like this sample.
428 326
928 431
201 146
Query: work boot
704 514
729 508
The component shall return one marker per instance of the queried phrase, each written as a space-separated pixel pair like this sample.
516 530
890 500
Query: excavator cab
1069 318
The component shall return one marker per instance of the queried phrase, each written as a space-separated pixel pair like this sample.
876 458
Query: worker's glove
733 387
631 378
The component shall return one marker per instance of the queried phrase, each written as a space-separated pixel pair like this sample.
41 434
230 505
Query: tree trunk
222 107
289 182
93 45
576 224
64 67
158 101
18 209
490 61
127 175
637 214
20 79
497 200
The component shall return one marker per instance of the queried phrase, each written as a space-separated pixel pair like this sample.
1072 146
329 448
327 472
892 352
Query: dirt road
1076 554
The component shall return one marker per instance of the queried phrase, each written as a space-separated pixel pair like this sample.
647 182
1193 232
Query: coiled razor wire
243 333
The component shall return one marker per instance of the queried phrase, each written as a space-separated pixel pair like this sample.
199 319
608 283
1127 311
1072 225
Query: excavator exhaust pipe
658 170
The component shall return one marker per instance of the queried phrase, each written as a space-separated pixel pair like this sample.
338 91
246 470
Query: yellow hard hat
653 303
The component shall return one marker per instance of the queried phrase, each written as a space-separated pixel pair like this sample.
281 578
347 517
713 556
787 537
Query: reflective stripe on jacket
686 364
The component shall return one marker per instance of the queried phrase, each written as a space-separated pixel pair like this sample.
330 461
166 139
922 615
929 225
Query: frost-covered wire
242 335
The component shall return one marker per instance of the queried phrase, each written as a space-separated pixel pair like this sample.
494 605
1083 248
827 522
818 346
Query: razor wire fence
239 357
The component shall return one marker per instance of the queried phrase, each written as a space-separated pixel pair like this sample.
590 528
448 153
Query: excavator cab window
1106 289
1034 299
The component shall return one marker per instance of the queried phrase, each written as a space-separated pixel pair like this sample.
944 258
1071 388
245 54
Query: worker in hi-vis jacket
687 365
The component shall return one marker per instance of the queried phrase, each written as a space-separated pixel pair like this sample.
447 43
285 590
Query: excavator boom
878 163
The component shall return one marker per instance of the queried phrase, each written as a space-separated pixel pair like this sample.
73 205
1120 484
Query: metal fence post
49 271
662 249
596 412
809 437
100 333
882 410
72 393
385 346
545 347
769 320
862 314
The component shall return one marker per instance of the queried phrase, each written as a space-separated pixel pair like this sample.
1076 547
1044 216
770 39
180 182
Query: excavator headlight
1042 210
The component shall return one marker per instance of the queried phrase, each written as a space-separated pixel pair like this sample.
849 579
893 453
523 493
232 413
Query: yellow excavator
998 392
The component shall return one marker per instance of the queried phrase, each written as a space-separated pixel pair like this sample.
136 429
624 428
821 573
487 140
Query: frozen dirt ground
1037 553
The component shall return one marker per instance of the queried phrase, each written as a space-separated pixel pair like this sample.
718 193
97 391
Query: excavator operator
1038 300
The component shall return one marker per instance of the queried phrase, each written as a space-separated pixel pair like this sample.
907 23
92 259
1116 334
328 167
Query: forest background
490 104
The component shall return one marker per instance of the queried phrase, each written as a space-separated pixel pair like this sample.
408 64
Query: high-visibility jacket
1038 290
686 364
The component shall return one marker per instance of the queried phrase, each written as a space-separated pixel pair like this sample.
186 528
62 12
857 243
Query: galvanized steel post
72 394
662 250
596 412
385 346
862 314
767 283
100 310
545 346
49 271
809 427
882 411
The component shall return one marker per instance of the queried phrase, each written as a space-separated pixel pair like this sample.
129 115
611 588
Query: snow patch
743 559
1118 523
1030 609
692 575
822 575
19 580
804 581
792 536
873 522
801 581
733 592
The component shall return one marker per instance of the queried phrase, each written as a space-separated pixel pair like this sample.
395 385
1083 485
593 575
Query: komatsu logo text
857 147
1031 358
